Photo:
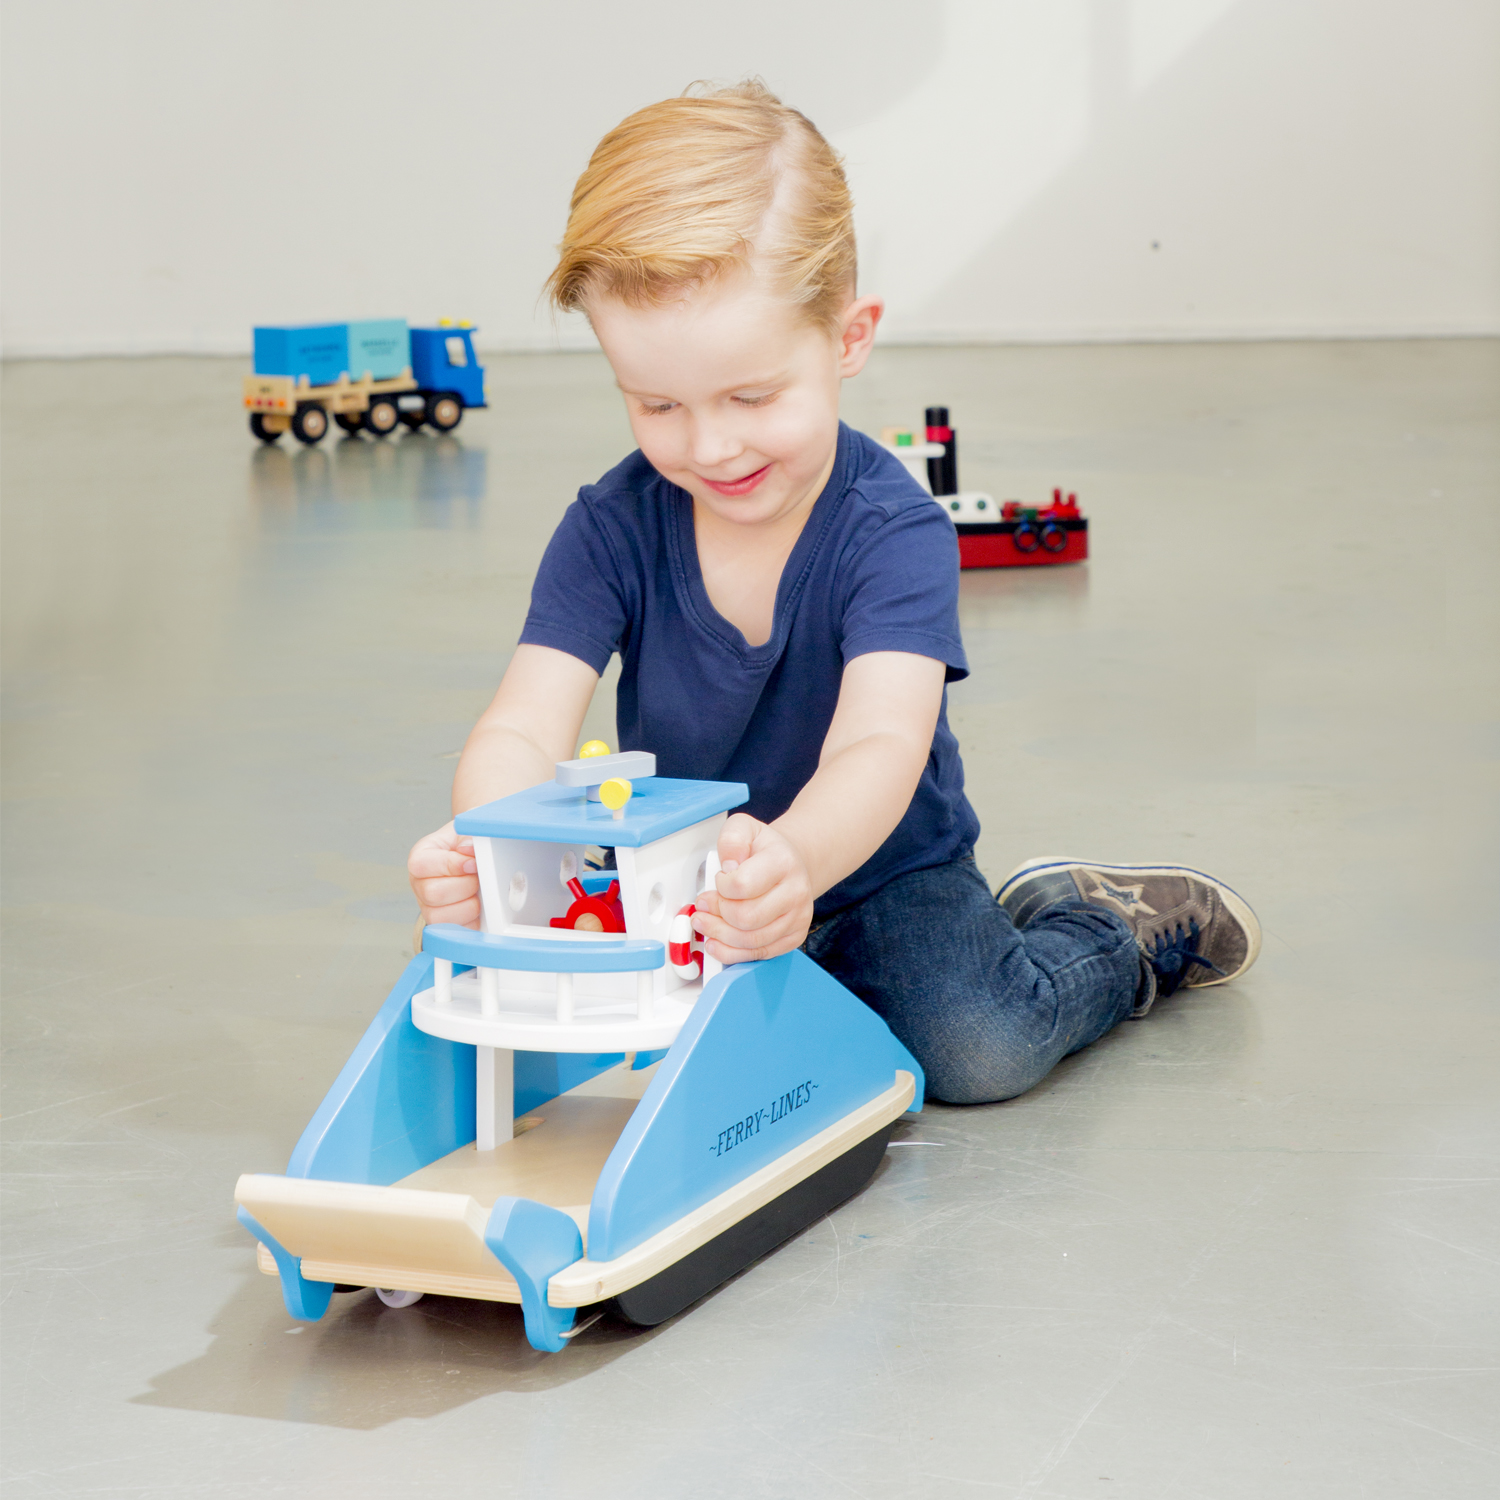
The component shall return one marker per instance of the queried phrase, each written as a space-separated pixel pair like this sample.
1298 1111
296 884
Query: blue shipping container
318 350
380 347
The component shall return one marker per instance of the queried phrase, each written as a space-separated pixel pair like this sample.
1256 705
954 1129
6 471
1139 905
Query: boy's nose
714 445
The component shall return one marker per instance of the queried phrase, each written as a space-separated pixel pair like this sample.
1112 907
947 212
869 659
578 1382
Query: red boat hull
996 546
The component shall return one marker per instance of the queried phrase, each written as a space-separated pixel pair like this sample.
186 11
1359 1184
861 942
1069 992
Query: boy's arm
532 723
871 762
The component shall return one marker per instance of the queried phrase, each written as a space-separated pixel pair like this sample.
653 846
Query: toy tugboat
1009 535
574 1105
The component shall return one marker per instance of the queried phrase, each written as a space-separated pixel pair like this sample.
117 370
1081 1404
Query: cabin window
457 354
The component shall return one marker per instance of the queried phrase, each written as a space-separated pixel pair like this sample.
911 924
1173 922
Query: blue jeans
988 1009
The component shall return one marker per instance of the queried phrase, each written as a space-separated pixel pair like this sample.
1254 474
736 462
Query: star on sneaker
1193 929
1129 900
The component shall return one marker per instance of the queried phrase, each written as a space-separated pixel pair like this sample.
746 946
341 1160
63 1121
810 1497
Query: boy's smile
739 486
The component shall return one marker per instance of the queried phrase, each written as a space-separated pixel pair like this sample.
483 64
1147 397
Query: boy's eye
658 409
754 400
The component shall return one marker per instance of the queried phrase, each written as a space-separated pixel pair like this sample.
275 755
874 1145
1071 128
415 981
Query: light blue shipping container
318 350
379 346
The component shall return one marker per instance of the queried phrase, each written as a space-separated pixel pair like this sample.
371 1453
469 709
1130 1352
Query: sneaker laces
1172 958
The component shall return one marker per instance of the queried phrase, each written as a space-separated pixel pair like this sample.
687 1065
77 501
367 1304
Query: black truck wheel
381 417
445 410
259 428
1025 538
1054 538
310 423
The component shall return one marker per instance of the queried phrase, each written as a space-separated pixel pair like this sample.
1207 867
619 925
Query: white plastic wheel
394 1297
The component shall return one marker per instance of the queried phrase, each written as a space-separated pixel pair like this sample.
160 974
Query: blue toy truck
368 376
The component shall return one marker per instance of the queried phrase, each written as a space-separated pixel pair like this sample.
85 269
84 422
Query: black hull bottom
742 1244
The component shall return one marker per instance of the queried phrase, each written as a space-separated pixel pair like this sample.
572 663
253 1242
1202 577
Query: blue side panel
469 380
305 1300
534 1242
542 1076
403 1099
318 350
380 346
470 384
772 1053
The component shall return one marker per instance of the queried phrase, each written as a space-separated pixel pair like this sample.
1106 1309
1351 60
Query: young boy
784 599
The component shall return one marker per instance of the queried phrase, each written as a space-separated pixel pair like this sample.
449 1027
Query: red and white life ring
684 946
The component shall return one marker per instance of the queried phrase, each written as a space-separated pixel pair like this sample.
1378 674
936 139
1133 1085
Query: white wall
176 170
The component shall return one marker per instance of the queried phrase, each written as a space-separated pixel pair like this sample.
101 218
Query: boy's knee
984 1080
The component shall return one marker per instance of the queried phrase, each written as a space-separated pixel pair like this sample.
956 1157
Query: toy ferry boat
574 1105
1008 535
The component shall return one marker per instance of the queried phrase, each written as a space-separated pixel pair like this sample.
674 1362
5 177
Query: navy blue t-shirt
875 569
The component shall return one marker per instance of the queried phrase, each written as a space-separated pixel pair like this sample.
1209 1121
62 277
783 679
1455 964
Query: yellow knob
615 793
593 748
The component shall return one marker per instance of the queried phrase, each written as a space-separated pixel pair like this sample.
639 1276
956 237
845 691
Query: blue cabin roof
563 815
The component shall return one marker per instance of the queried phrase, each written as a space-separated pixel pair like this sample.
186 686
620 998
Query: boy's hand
445 878
764 902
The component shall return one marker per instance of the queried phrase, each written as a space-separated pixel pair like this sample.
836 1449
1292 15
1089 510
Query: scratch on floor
1489 1260
141 1104
1452 1437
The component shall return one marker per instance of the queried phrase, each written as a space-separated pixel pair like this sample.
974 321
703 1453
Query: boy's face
732 396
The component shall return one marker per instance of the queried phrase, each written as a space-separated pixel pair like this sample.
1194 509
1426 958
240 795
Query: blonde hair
689 188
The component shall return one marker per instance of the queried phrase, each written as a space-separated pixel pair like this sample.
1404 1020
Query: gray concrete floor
1247 1247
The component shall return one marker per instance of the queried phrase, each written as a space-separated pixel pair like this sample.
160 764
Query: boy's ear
858 336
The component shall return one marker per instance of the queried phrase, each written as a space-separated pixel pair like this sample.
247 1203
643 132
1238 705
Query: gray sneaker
1192 929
